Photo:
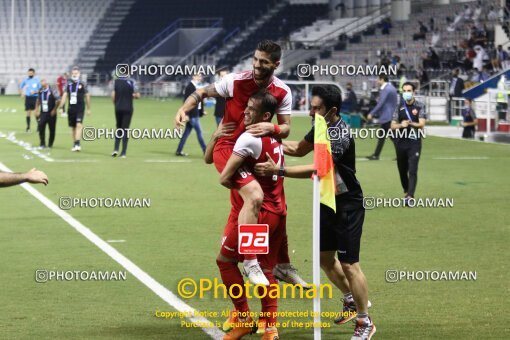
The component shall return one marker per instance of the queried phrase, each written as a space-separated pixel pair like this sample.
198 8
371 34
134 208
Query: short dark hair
268 102
31 69
330 95
384 77
410 84
273 49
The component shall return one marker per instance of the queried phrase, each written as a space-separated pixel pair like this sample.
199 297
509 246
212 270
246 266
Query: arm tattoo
196 96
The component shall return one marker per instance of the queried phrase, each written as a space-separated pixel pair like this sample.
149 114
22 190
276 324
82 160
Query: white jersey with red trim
254 150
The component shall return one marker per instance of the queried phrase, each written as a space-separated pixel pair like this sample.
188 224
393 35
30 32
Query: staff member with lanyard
48 100
409 116
29 88
78 97
124 91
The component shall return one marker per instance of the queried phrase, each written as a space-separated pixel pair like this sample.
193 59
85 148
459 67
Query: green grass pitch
179 235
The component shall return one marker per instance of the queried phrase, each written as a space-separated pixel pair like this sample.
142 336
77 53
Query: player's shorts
341 232
277 235
74 118
242 177
30 102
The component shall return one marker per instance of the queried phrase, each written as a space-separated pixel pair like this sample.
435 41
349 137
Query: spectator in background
350 103
492 15
422 32
193 116
219 108
431 60
481 55
467 12
431 24
436 39
61 85
423 77
386 26
469 119
481 75
456 88
477 14
383 111
500 58
456 22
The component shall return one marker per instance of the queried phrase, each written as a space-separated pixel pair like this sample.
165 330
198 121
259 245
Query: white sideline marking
136 271
115 241
460 158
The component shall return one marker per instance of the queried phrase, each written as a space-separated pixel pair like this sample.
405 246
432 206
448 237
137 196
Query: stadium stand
51 48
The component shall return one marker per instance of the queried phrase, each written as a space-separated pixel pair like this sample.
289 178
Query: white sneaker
288 273
256 275
76 148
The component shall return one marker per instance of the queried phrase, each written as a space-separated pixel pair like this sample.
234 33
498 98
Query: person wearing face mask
386 104
29 89
340 231
409 116
79 96
48 100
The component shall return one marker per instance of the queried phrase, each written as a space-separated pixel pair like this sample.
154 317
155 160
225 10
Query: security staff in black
124 91
47 100
409 119
77 92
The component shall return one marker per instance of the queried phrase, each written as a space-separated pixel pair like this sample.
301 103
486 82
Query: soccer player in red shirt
249 150
246 194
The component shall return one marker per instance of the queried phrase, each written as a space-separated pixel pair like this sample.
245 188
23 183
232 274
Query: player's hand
53 112
227 183
35 176
224 130
404 123
370 116
261 129
268 168
181 118
88 112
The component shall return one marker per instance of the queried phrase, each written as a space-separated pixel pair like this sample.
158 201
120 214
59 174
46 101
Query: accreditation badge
73 99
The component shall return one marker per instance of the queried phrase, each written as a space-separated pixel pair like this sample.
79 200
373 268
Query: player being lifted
246 194
249 150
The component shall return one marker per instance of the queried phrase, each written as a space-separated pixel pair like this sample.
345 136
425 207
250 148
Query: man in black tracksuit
124 91
47 100
409 118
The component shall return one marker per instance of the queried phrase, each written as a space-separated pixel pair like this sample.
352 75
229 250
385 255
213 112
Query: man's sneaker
348 313
363 330
261 326
28 130
255 275
270 335
373 158
287 273
231 320
182 154
115 153
75 148
241 328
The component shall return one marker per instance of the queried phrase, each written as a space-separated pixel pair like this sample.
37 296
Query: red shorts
242 177
277 235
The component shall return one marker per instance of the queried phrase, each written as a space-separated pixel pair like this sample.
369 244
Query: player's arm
87 102
233 163
113 96
297 149
419 125
192 102
270 168
37 103
280 130
223 130
62 100
8 179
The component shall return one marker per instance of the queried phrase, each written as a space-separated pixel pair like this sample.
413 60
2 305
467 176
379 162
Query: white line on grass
168 161
115 241
136 271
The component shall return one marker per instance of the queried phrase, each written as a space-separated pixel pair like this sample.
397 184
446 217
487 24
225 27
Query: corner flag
323 162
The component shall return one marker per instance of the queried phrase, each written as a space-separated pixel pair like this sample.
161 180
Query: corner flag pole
316 257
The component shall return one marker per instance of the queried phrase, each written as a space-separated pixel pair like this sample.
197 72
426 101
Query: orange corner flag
323 162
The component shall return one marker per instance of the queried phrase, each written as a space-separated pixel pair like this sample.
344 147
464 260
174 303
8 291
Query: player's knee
350 269
327 261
